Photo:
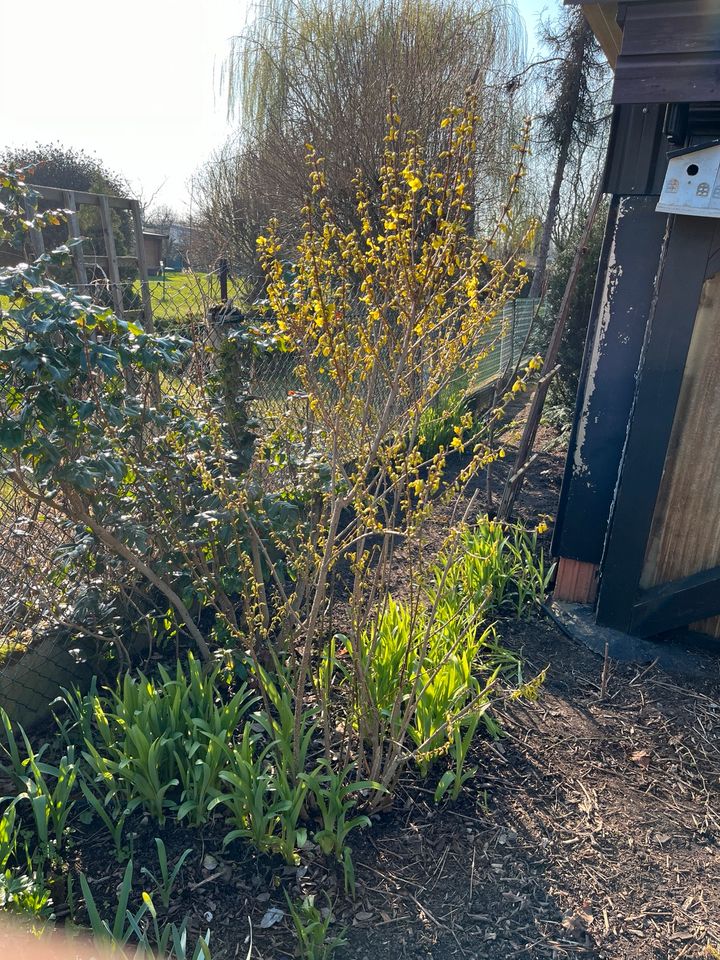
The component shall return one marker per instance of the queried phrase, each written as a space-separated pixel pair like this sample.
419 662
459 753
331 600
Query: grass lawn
180 297
187 296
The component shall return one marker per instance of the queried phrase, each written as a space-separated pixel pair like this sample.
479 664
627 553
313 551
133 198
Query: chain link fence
38 653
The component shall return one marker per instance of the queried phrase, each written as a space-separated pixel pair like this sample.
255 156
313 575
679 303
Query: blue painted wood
619 317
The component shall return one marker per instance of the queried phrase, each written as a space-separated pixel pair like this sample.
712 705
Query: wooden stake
78 254
605 673
113 268
142 267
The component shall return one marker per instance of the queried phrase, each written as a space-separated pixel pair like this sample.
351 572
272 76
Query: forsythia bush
351 650
380 320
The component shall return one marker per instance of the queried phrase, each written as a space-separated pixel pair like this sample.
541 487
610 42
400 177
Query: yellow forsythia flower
412 179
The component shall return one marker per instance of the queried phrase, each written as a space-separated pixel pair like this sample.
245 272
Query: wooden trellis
71 201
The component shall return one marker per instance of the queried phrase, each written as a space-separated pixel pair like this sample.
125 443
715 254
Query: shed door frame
691 253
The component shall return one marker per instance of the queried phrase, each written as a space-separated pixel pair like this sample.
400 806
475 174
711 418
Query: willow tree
319 71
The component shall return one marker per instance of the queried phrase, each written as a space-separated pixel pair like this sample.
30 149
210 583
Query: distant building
154 250
170 243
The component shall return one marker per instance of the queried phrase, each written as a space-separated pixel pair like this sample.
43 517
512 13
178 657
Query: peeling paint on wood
620 311
613 274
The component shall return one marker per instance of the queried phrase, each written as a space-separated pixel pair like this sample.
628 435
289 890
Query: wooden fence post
74 233
223 277
113 269
36 237
142 267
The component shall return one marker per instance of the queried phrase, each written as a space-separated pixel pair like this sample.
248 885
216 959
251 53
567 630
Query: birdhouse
692 182
638 528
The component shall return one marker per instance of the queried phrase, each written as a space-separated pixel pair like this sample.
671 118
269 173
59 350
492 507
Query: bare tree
312 71
573 122
181 238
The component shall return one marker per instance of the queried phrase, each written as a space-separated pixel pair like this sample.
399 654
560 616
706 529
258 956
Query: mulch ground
591 829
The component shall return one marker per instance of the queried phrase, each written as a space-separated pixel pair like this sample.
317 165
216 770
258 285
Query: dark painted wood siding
621 306
670 52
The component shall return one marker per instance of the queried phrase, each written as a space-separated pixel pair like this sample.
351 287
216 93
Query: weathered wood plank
637 151
113 268
685 534
673 28
667 80
78 254
602 18
576 582
619 316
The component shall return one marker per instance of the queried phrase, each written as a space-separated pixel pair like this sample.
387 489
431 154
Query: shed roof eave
602 17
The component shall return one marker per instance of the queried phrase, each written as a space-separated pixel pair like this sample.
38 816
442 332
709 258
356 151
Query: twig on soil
425 910
604 677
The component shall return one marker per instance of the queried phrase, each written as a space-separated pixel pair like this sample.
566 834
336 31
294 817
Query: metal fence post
223 277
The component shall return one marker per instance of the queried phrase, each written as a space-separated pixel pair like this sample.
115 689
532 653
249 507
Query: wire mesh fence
38 649
507 342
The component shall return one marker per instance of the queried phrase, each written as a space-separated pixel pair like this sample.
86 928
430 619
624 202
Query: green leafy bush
306 731
149 490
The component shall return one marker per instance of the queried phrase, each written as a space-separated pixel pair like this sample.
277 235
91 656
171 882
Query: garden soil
591 829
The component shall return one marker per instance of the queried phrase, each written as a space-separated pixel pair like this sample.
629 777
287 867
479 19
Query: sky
136 83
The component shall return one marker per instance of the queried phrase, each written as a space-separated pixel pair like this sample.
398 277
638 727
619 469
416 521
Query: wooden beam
142 266
82 198
646 80
637 151
670 53
618 320
113 269
602 18
673 605
73 234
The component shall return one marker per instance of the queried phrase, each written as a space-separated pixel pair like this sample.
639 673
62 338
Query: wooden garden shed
154 244
638 529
